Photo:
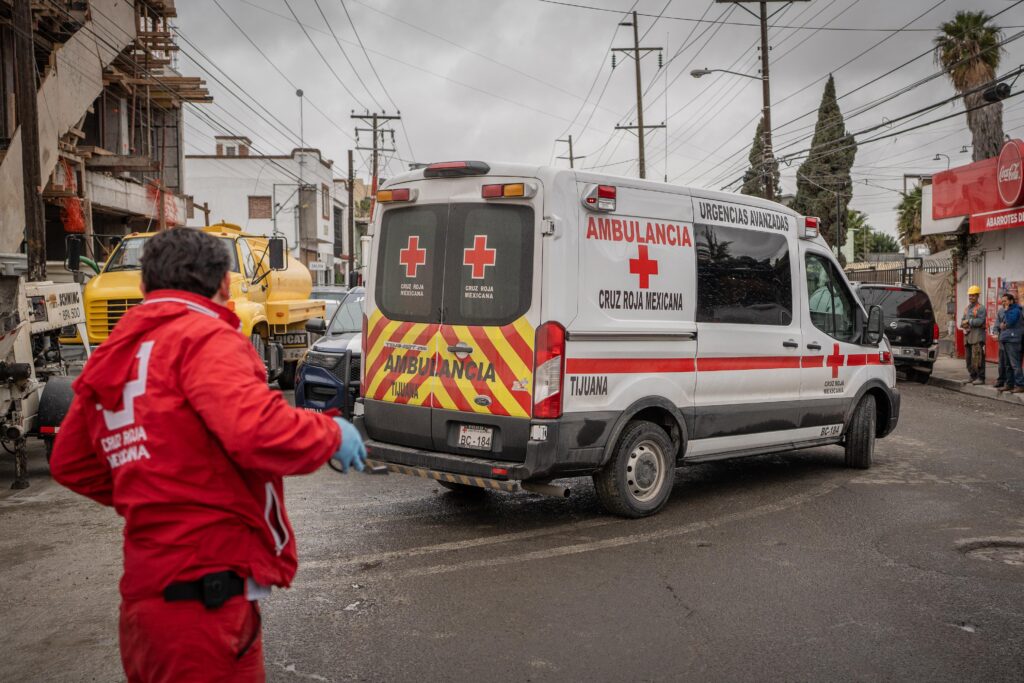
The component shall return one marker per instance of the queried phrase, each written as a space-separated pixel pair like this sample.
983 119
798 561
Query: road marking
604 544
454 546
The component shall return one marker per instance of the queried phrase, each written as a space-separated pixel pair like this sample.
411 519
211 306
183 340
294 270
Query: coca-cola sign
1010 173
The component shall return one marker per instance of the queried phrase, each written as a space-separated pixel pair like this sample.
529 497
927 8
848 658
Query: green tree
823 184
867 240
753 179
968 50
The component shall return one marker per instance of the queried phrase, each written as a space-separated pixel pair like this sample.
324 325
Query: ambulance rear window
743 277
489 266
410 263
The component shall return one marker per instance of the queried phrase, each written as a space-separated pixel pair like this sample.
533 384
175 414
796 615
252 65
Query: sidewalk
951 373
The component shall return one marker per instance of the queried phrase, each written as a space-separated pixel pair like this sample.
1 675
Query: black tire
860 436
49 449
644 449
922 376
463 490
286 380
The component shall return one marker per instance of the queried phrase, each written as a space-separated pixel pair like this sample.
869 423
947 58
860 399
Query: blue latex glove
351 452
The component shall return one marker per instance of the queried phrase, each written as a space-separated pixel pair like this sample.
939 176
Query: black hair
185 259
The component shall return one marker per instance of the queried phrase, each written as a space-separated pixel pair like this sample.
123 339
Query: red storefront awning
990 191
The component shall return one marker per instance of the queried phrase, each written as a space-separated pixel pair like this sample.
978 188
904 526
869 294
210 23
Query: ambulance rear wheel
860 436
638 479
463 490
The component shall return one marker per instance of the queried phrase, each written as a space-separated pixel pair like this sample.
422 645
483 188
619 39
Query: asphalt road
783 567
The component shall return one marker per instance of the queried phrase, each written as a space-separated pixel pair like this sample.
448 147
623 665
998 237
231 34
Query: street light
938 157
697 73
766 110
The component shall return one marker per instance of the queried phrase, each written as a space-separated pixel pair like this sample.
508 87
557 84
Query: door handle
790 344
461 347
814 346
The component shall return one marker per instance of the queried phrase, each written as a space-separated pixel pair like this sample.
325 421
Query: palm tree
908 223
968 50
908 218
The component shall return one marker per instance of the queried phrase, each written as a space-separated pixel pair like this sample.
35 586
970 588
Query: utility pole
28 122
351 219
572 158
636 53
374 120
766 96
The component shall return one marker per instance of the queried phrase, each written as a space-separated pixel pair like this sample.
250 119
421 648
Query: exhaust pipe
546 489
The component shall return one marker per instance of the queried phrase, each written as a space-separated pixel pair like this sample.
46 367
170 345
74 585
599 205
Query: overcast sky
502 79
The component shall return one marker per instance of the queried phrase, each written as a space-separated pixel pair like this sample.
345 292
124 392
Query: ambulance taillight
549 371
810 229
600 198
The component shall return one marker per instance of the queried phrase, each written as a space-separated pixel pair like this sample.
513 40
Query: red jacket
173 424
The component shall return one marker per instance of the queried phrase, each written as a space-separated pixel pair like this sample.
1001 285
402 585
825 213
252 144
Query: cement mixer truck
269 293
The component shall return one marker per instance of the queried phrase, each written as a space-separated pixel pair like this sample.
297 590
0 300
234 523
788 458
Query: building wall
226 183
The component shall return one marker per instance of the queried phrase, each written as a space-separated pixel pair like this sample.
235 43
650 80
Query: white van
531 323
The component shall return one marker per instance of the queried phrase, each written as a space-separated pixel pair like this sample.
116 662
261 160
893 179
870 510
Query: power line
321 55
401 122
740 23
345 54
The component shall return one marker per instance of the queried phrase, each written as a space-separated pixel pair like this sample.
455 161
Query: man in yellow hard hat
973 325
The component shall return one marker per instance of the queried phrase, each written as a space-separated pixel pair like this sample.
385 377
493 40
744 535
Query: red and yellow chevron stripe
423 371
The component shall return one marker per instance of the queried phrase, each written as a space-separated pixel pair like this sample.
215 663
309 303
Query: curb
985 391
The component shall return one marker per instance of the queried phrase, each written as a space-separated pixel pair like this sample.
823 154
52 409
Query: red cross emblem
835 361
479 257
643 266
412 257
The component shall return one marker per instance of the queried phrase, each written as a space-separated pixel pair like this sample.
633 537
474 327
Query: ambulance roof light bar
810 228
600 198
455 169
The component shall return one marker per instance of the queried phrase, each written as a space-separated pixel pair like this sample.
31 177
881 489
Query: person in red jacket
173 425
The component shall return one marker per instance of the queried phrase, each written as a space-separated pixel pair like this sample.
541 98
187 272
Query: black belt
212 590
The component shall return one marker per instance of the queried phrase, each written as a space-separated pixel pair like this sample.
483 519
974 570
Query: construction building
110 122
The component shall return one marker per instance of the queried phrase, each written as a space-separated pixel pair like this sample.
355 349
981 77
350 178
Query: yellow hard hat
974 289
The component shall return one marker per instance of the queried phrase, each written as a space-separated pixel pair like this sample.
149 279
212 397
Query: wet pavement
785 567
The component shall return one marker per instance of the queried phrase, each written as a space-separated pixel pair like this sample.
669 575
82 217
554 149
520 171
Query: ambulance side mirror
277 246
874 330
74 249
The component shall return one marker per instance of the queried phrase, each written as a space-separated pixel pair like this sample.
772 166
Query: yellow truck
269 293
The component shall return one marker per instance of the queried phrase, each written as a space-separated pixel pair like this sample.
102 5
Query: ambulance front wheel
860 436
638 479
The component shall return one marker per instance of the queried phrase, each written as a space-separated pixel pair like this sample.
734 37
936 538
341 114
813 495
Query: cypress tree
753 179
825 175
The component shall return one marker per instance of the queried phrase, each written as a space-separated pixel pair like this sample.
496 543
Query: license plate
293 339
472 436
910 352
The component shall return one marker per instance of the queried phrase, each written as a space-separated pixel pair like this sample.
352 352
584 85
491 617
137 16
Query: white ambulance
527 323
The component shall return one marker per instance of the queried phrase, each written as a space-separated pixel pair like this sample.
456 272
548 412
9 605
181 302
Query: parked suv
909 325
328 374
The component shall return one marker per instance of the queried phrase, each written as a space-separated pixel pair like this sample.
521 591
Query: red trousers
165 642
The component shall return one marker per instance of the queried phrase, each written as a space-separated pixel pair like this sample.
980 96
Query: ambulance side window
489 271
410 263
831 304
743 277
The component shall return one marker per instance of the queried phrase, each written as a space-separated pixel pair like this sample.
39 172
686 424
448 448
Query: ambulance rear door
403 316
483 394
